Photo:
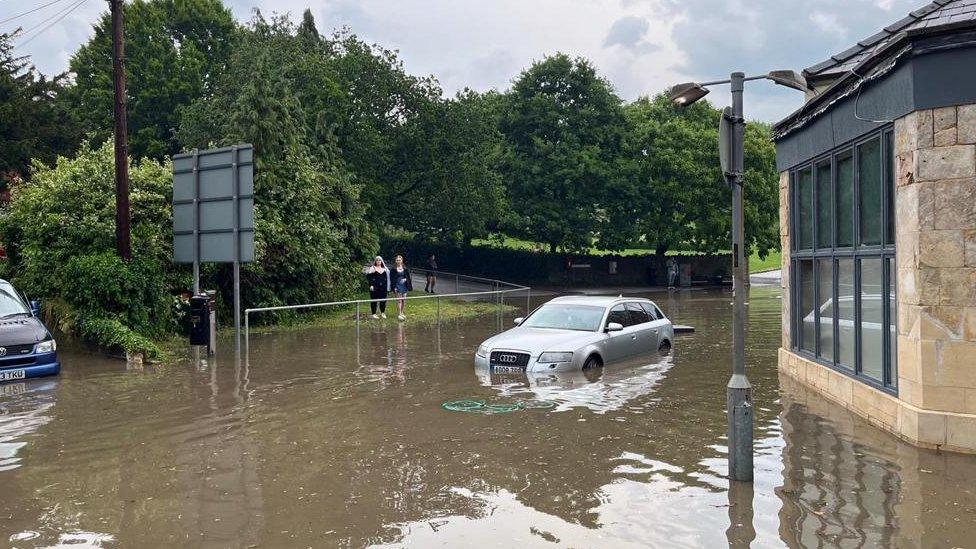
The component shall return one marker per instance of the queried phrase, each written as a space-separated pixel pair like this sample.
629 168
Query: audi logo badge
510 359
3 351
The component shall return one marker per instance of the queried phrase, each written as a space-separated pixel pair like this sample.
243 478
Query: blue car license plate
10 375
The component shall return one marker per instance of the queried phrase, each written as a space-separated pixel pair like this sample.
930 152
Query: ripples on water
324 439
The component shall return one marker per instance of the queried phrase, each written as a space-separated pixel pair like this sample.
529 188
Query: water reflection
315 441
600 390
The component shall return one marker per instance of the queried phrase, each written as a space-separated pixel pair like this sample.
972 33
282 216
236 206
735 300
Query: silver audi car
577 333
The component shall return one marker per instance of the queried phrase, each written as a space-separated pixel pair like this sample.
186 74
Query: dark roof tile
938 12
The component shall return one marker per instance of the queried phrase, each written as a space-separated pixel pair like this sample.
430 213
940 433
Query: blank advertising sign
213 205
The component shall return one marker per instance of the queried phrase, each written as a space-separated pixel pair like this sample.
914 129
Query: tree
685 203
310 222
175 50
447 183
33 121
564 129
379 100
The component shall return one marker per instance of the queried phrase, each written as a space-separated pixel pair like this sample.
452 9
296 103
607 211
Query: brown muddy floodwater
321 440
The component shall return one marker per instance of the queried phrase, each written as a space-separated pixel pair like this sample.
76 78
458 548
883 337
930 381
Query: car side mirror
35 306
614 327
519 321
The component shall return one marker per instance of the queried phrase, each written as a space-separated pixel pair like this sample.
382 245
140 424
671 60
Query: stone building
878 228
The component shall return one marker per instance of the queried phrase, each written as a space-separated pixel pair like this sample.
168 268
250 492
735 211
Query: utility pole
738 390
122 232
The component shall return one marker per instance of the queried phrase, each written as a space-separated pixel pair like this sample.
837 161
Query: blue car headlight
553 356
47 346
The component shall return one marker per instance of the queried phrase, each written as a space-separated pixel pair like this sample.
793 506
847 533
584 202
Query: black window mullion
835 270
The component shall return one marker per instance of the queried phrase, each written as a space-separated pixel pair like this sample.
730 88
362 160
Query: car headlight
555 357
483 350
48 346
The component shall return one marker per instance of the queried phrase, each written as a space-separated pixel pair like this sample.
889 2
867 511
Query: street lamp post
731 142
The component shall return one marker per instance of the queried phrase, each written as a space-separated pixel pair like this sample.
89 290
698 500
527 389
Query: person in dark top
378 278
431 273
400 277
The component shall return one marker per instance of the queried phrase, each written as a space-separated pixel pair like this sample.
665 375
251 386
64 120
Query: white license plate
9 375
507 369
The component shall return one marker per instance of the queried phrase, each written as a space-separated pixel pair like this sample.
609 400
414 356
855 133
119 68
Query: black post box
202 320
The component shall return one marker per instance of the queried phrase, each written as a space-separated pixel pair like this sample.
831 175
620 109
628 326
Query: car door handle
634 336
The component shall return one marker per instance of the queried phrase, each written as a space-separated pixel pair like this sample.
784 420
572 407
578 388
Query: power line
63 13
28 12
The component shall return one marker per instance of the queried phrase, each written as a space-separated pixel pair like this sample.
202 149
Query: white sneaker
375 317
402 317
383 315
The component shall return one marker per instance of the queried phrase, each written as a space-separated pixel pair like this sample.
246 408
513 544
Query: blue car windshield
10 302
566 317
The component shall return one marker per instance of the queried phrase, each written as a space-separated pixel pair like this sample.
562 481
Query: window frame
856 253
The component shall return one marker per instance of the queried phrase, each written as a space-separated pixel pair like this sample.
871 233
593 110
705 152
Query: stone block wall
935 223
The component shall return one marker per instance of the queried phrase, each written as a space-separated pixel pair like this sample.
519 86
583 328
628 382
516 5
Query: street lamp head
685 94
790 79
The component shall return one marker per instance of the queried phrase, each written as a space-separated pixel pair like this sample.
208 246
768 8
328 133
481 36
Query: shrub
59 229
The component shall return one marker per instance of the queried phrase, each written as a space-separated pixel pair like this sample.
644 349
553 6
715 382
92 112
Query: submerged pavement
333 438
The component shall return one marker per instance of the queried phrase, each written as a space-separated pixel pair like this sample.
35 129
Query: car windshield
10 302
566 317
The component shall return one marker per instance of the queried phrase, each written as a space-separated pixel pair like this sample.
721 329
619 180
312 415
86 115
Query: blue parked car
26 346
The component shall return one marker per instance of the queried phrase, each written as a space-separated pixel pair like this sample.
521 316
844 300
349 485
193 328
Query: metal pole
122 232
357 316
247 335
739 390
235 178
528 300
438 310
457 284
196 221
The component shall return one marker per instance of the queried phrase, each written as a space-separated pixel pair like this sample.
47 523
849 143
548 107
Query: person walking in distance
378 278
431 273
672 268
402 284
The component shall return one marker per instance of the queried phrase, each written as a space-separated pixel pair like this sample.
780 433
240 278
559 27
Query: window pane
845 201
808 319
889 189
637 314
823 205
825 286
871 318
892 322
804 198
870 188
845 312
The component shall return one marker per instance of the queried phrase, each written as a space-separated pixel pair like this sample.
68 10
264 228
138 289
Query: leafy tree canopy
564 130
33 121
174 52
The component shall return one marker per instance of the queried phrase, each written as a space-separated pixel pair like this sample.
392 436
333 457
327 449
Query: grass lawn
771 263
418 312
756 265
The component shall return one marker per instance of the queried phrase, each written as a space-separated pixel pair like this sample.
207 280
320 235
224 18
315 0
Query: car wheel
592 362
664 348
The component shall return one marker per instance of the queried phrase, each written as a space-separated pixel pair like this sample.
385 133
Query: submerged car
26 346
578 333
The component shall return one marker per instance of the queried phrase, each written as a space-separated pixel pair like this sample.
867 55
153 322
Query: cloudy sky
641 46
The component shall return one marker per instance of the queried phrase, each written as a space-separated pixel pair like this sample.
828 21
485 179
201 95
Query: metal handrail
358 302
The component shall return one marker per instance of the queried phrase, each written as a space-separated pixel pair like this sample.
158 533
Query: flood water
320 441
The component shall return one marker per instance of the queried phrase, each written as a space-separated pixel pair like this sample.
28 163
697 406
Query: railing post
357 315
438 310
528 300
247 333
457 283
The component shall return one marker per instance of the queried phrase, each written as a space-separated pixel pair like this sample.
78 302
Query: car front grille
509 358
16 350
